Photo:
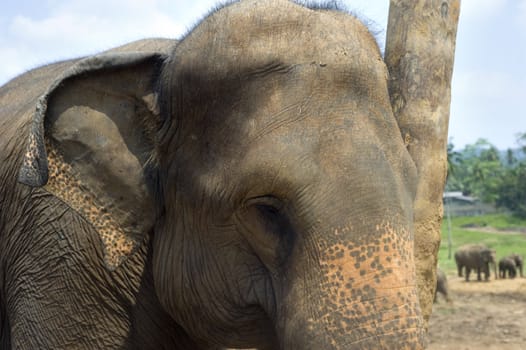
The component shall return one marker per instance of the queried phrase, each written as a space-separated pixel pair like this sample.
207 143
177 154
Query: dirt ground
481 315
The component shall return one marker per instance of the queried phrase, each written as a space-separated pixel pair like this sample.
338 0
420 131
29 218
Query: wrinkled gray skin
507 266
475 257
442 287
519 262
247 187
55 292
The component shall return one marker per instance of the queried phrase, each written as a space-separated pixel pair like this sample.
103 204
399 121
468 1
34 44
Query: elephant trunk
372 324
359 296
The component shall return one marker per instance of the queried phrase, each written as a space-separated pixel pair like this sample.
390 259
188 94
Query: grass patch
503 243
498 221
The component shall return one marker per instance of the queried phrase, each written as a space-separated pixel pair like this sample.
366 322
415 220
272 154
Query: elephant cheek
365 296
167 271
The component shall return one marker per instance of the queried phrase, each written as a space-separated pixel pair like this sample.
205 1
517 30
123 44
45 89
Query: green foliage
511 192
471 230
497 221
521 140
453 158
480 171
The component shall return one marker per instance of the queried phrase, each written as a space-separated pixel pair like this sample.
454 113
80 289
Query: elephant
478 257
519 262
442 287
507 264
246 186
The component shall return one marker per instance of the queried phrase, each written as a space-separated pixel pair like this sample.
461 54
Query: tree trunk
420 47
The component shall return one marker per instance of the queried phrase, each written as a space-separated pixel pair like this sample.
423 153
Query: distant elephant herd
479 257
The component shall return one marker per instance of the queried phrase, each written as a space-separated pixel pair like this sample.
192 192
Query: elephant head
488 257
263 157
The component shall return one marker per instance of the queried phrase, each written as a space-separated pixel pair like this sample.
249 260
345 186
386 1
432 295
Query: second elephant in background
442 287
475 257
512 264
507 266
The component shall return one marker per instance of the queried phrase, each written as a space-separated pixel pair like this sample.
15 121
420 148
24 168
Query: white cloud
75 28
72 26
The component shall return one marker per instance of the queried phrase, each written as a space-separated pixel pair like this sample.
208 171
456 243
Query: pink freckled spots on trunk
371 286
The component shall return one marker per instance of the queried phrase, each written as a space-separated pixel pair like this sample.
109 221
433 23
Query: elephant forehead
307 108
250 35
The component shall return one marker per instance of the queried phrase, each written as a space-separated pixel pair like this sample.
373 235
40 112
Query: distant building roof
459 197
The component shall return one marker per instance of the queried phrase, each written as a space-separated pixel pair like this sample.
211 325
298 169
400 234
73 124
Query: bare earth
482 315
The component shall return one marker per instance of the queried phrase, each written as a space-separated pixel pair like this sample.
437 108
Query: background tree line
495 177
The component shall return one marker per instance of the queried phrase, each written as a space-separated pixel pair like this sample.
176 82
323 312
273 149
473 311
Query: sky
489 77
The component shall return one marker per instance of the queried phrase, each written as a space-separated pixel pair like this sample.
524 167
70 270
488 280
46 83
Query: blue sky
489 79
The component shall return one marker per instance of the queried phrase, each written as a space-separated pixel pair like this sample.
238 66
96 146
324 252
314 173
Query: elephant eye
268 214
268 206
268 228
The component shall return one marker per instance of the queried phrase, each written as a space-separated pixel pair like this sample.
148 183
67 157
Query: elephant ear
91 144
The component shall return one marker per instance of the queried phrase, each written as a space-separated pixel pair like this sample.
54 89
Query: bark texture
420 47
